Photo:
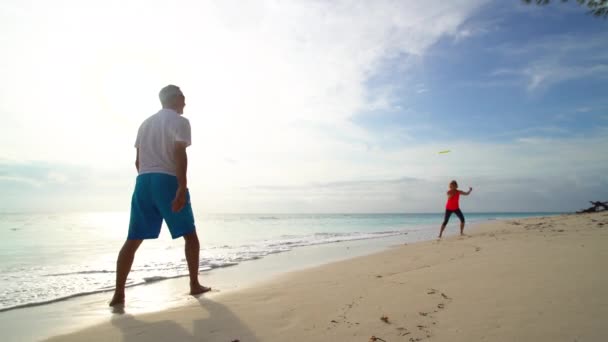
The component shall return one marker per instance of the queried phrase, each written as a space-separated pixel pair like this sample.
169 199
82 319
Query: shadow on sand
210 321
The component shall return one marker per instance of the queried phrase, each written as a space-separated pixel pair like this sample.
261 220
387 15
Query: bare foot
199 289
118 299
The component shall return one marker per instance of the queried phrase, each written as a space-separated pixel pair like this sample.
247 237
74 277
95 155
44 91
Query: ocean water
45 258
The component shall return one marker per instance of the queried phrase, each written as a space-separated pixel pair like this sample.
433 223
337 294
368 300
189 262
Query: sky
308 106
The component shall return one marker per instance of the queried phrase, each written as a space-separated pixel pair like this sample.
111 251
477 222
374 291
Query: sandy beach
539 279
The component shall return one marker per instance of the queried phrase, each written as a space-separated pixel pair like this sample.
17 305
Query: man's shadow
210 321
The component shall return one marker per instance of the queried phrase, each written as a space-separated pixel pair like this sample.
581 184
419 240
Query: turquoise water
45 258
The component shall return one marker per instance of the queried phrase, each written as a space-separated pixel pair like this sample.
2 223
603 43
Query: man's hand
179 201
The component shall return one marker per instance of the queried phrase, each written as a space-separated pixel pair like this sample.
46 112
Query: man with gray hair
161 191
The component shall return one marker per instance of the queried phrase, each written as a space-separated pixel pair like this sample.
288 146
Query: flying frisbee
446 151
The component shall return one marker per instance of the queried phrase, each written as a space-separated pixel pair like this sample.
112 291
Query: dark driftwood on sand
597 206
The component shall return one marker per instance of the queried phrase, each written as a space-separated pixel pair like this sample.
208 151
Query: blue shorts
151 204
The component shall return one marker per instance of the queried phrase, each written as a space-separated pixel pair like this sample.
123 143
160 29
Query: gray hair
169 93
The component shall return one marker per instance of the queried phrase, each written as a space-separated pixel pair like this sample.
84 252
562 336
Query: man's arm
137 160
182 140
181 162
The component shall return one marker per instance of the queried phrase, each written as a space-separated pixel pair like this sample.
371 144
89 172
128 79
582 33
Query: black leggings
448 213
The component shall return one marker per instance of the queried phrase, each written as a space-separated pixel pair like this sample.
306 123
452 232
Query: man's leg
180 224
192 248
123 267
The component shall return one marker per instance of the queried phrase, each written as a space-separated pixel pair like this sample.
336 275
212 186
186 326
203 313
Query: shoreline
152 280
290 294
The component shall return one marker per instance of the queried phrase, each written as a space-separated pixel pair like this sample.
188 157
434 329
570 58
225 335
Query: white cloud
552 60
474 29
580 113
584 109
78 77
19 180
421 88
546 74
271 88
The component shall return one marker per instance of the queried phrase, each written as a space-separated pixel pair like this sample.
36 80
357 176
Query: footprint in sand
403 331
427 318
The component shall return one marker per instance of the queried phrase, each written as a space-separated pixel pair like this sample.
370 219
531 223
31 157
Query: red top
453 202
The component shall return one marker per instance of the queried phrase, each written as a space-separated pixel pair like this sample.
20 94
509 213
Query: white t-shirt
156 139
